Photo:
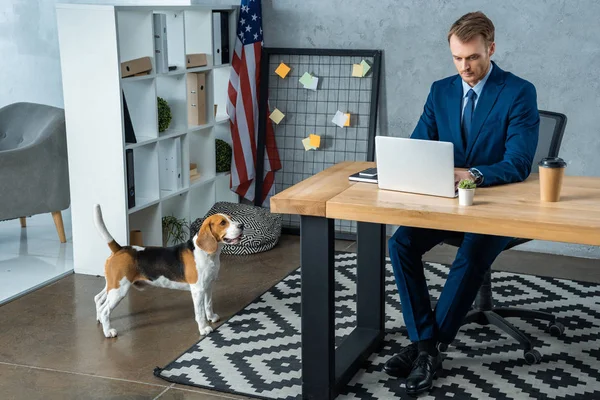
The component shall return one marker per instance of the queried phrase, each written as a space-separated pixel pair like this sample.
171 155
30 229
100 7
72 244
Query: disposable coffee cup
552 171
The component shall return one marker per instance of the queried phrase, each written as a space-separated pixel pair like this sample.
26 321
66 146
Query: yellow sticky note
276 116
315 140
365 67
347 123
282 70
306 143
357 70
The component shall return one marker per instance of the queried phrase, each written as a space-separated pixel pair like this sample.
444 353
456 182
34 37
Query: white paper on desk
339 119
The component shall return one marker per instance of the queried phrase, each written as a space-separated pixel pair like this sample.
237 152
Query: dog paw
213 318
111 333
206 330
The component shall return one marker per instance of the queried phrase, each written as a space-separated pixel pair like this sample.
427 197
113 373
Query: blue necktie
468 115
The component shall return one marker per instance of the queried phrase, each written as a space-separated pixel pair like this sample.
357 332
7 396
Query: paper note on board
315 140
365 67
306 79
339 119
357 70
282 70
307 146
347 122
313 83
276 116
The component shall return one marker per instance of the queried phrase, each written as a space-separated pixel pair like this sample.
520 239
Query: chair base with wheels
484 313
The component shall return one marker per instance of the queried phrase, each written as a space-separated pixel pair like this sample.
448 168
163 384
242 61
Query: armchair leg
60 228
23 222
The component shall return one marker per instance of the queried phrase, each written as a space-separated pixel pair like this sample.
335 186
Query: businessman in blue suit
491 116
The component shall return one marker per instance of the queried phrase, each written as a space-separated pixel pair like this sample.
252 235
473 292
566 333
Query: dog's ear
206 239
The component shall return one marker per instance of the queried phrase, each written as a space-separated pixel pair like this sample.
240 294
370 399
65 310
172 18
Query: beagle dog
193 265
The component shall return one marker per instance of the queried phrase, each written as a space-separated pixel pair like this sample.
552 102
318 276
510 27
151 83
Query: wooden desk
507 210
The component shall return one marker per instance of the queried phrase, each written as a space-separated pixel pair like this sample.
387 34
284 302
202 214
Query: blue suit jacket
505 127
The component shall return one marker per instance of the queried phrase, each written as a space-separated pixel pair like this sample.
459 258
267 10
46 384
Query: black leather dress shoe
401 364
424 370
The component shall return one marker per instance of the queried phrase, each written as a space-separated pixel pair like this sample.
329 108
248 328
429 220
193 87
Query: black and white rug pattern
257 352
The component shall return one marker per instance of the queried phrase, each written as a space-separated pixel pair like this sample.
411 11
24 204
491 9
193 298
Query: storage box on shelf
174 169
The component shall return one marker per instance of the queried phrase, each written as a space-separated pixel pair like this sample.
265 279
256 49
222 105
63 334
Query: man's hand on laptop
460 174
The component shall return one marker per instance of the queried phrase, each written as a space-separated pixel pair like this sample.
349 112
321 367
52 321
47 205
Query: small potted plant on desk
466 192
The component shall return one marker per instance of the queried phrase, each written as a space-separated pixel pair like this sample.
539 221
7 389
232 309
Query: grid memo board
311 112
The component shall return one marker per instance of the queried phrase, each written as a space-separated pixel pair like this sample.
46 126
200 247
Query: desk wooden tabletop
509 210
309 197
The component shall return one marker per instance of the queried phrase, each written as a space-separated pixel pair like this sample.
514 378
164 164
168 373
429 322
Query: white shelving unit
94 40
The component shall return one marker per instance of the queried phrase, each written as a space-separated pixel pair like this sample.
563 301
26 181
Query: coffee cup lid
552 162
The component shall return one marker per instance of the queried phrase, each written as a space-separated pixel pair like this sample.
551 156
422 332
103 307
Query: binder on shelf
130 179
161 58
128 125
196 98
138 66
171 178
178 169
220 37
195 60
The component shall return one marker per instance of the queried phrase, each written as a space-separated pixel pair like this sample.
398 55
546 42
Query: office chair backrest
552 127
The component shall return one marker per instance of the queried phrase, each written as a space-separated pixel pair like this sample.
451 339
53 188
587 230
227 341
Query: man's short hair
472 24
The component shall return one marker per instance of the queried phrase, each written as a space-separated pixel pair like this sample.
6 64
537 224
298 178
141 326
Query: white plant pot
465 196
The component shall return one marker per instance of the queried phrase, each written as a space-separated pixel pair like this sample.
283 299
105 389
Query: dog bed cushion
262 229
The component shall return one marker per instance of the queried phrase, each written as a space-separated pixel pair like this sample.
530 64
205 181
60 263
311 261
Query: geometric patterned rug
256 353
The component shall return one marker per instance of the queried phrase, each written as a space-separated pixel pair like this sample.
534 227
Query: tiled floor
33 255
52 348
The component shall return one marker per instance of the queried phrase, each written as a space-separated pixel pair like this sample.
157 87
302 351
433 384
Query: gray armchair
34 173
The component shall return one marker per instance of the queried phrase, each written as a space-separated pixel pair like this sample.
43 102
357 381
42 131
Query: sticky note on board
339 119
276 116
306 79
357 70
347 122
313 83
315 140
282 70
307 146
365 67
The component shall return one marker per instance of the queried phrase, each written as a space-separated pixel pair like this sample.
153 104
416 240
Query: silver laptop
415 166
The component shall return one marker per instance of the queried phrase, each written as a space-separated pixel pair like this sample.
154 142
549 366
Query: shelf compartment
135 35
202 198
172 89
171 165
178 207
198 33
202 153
140 97
148 221
145 167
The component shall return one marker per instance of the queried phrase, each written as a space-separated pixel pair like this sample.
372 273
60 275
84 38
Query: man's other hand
460 174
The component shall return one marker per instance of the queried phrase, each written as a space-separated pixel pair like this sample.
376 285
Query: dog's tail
112 244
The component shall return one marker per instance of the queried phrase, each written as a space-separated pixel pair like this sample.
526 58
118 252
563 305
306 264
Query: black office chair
552 127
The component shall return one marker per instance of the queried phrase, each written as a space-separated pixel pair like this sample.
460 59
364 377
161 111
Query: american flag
242 106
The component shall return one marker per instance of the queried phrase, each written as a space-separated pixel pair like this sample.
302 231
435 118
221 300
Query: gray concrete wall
554 44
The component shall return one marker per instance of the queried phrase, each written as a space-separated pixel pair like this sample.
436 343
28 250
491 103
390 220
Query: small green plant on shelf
164 115
466 184
174 230
223 155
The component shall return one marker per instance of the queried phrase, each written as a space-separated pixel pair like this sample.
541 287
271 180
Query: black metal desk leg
318 314
370 281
